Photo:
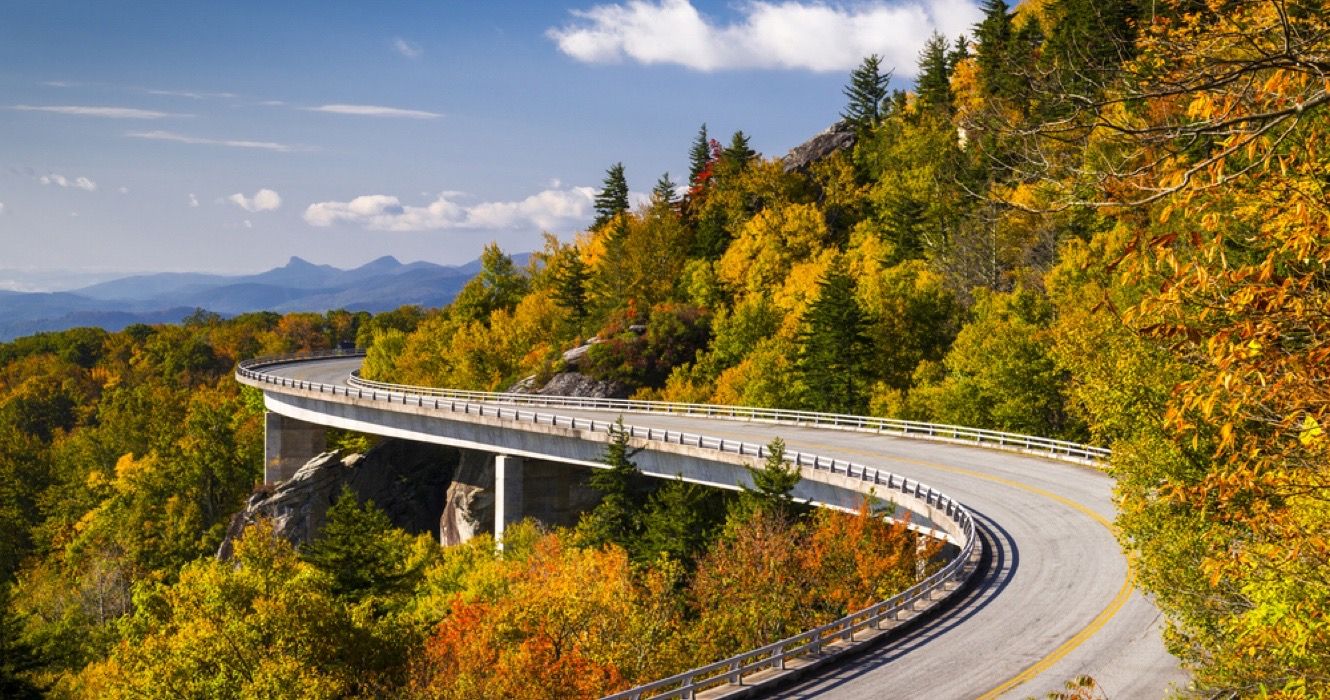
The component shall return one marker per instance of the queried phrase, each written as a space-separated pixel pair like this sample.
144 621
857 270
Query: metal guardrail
777 654
1056 449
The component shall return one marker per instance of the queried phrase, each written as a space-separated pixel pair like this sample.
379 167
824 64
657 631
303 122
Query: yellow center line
1108 613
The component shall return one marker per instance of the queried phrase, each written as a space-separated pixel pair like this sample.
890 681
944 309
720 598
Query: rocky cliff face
838 137
410 481
572 382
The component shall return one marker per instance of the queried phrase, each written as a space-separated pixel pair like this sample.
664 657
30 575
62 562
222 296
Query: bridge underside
561 444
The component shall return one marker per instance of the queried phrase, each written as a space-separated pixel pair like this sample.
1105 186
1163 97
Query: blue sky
230 136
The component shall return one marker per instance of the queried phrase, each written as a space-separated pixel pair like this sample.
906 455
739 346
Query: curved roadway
1057 602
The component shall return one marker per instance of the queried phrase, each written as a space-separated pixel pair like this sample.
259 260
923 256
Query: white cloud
193 201
374 111
553 210
105 112
2 207
247 223
801 35
263 200
232 143
191 94
406 48
80 182
122 189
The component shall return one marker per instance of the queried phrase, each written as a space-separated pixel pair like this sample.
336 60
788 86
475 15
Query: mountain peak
297 261
386 261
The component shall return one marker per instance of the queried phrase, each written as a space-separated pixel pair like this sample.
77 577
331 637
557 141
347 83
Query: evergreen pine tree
663 192
834 347
362 551
1087 43
680 521
959 53
739 153
867 93
699 155
993 36
934 84
773 484
613 198
571 278
617 518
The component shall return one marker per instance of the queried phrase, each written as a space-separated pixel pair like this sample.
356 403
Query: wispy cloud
552 210
104 112
78 183
60 83
231 143
193 200
807 35
191 94
263 200
407 48
374 111
2 207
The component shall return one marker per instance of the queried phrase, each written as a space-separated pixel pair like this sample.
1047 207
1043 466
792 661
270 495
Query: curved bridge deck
1056 603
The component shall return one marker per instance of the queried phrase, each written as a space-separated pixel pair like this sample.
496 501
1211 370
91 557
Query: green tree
613 198
499 285
773 487
664 191
699 155
680 520
617 518
934 82
571 279
867 93
361 551
736 157
993 35
834 347
17 658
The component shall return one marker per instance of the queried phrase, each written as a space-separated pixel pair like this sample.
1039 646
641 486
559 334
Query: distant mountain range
168 297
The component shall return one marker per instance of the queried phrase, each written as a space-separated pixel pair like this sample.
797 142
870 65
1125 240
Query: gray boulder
837 137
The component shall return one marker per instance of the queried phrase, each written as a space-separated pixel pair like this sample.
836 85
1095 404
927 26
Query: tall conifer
699 155
993 36
834 346
867 93
613 198
934 84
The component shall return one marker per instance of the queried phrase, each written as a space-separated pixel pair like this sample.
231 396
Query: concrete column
288 444
507 493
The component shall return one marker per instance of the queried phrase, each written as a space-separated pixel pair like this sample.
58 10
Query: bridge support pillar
508 478
288 444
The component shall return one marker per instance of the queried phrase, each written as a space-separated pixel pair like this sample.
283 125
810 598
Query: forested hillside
1101 221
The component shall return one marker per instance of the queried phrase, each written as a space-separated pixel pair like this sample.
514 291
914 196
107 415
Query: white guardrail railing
776 655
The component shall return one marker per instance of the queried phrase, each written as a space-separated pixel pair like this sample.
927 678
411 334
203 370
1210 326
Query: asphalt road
1056 604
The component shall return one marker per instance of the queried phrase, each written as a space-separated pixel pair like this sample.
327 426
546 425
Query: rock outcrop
408 480
572 382
839 136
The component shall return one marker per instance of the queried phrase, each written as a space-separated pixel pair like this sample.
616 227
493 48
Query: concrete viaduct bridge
1038 593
